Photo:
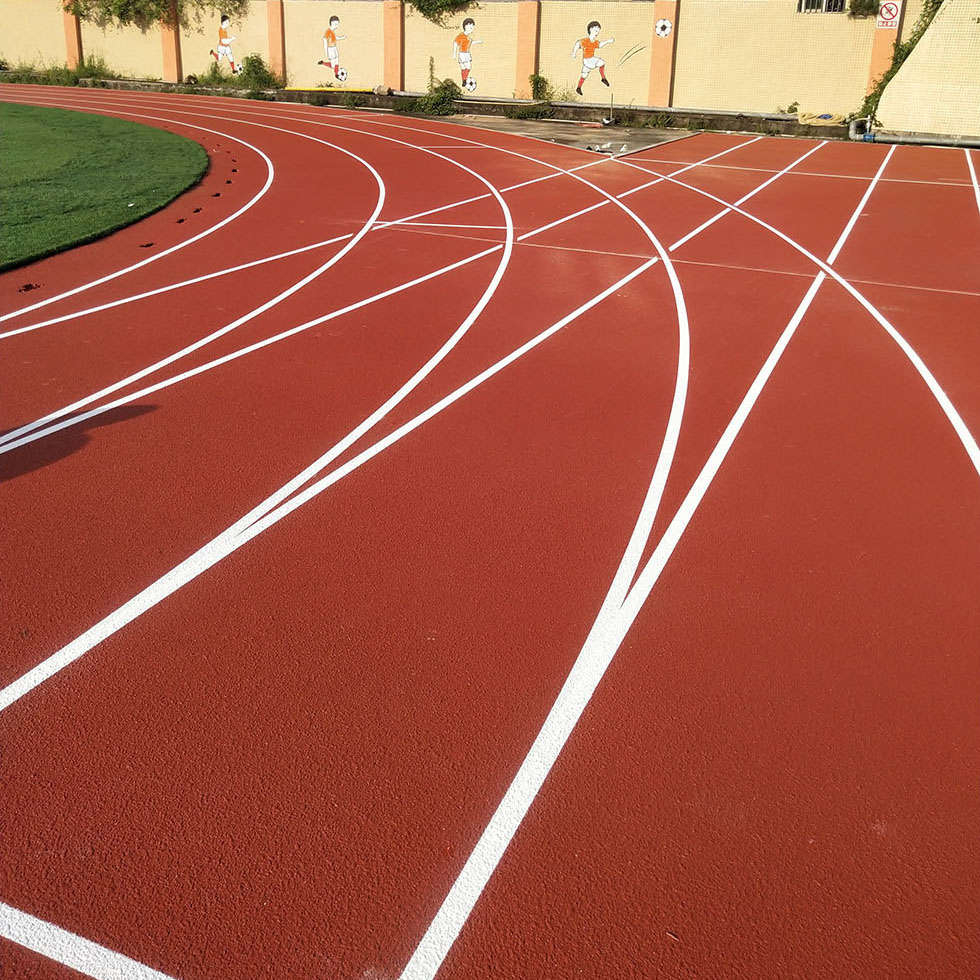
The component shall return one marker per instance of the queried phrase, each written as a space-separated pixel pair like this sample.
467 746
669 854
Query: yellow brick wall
630 23
494 61
129 51
32 32
362 54
251 33
913 8
937 90
759 55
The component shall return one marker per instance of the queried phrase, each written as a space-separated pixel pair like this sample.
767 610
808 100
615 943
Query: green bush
354 101
540 88
439 101
60 74
438 10
253 76
863 8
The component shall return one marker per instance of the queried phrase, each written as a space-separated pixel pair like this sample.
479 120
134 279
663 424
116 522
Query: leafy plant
869 107
790 109
144 13
540 88
254 75
60 74
438 10
863 8
354 101
440 101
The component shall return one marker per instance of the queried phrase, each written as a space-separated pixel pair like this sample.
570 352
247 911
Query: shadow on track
50 449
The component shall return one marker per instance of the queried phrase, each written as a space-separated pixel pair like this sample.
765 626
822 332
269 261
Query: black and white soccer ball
470 84
342 74
664 27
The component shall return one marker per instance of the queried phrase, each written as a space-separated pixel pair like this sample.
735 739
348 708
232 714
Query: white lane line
40 428
70 950
245 529
435 224
270 176
12 439
263 515
241 352
378 226
607 633
721 214
942 399
973 176
21 435
811 173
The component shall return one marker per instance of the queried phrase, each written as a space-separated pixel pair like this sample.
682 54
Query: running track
553 566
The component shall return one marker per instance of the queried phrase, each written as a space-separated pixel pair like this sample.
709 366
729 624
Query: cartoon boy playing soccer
331 54
461 48
589 48
224 45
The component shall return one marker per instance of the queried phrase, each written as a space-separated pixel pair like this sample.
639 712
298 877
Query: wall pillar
883 45
394 45
73 40
528 29
277 38
662 51
173 70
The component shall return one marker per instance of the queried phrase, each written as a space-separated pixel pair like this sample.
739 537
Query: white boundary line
71 950
942 399
32 431
270 176
273 508
973 177
21 435
607 633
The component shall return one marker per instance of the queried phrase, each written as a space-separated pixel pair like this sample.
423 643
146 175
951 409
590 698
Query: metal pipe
859 129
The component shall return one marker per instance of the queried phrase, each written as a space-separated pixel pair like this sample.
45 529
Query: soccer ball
342 74
663 27
470 84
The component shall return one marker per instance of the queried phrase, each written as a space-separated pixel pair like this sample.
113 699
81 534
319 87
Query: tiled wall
251 34
31 33
361 54
129 51
494 61
761 55
937 90
630 22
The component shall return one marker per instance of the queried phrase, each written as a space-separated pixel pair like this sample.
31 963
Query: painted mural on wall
588 47
463 53
331 52
225 41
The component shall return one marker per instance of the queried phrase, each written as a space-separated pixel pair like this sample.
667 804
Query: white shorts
224 50
465 59
591 64
333 55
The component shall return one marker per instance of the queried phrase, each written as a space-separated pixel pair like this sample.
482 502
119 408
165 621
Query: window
820 6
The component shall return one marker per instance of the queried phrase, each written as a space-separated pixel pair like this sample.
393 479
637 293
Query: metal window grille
821 6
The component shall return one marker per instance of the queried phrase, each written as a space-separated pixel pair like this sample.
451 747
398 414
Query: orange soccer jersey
223 36
330 38
589 47
464 43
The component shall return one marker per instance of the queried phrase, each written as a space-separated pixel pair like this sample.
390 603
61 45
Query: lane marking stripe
71 950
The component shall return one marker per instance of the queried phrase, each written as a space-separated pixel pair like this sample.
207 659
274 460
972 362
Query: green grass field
69 177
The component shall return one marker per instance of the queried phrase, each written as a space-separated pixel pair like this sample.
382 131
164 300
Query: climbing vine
903 49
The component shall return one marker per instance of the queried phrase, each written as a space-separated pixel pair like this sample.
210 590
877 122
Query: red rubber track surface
280 769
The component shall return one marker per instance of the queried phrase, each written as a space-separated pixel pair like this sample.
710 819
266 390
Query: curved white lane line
12 439
270 176
241 352
605 637
651 502
942 399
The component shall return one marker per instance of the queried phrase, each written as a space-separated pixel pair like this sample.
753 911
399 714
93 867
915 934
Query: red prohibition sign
888 11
